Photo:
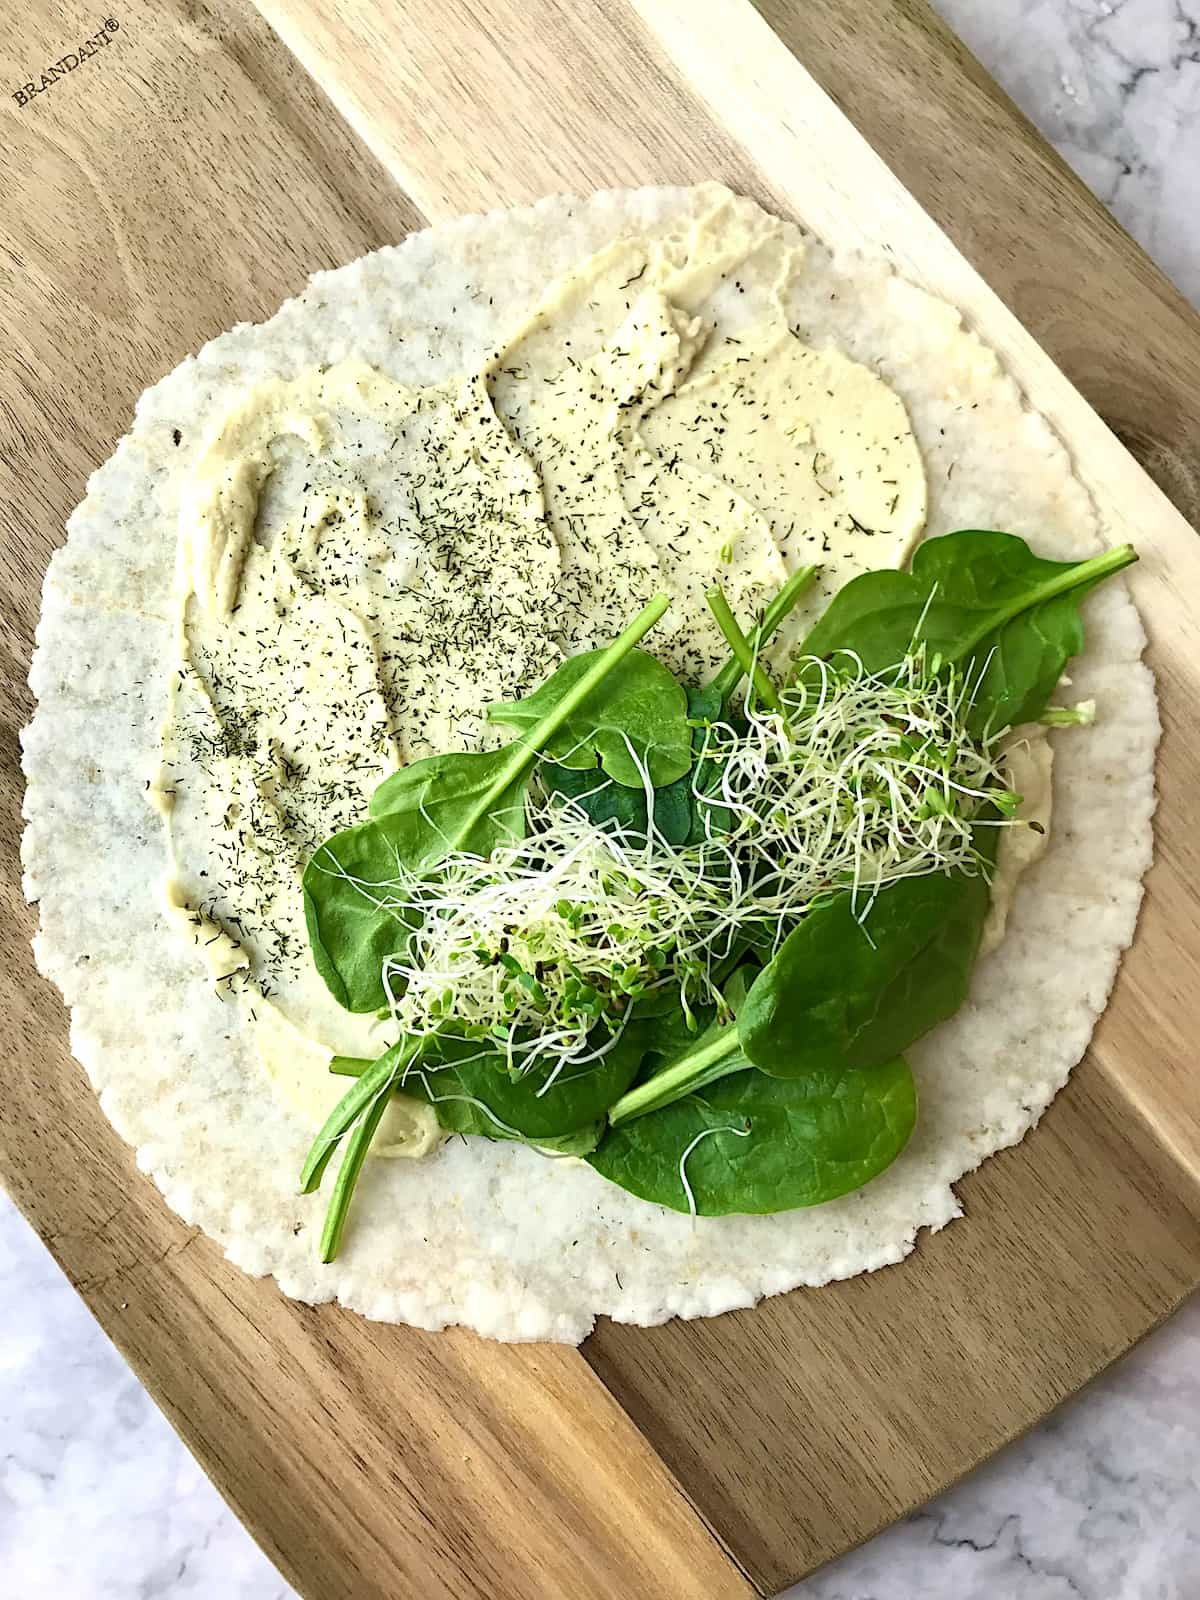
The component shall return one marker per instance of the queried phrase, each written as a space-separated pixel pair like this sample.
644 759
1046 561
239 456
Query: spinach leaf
640 718
979 600
837 992
440 789
353 907
704 705
604 800
709 816
579 1143
456 1116
354 914
464 1086
354 917
662 1026
752 1144
677 816
841 992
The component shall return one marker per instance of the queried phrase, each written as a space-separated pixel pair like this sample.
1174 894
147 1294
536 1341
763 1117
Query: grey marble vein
1115 86
100 1501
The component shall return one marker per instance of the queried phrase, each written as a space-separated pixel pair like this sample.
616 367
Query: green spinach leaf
753 1144
465 1086
858 994
980 600
580 1143
705 705
605 800
354 915
641 717
353 906
441 788
678 817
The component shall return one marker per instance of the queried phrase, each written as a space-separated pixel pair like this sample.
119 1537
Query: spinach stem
525 751
349 1108
705 1064
743 650
730 675
348 1173
1079 576
350 1066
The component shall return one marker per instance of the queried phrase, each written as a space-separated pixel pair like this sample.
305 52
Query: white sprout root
542 948
689 1196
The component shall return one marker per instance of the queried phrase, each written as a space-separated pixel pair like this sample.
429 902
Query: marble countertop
100 1501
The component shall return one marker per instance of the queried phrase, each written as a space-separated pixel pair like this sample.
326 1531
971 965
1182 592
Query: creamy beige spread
364 565
1029 764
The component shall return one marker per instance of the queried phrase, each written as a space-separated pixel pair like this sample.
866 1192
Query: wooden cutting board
189 171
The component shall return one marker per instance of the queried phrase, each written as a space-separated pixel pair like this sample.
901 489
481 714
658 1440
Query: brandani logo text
73 58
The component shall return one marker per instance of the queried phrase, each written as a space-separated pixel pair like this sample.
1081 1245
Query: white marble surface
1115 85
100 1501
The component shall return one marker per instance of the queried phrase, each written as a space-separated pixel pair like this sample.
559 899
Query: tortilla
493 1235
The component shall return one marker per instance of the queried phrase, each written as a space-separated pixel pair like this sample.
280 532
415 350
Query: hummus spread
363 566
1029 763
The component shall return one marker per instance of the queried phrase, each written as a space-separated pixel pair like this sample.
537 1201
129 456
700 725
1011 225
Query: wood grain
191 176
368 1460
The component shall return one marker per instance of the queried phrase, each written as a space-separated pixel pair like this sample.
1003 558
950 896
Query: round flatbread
495 1236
